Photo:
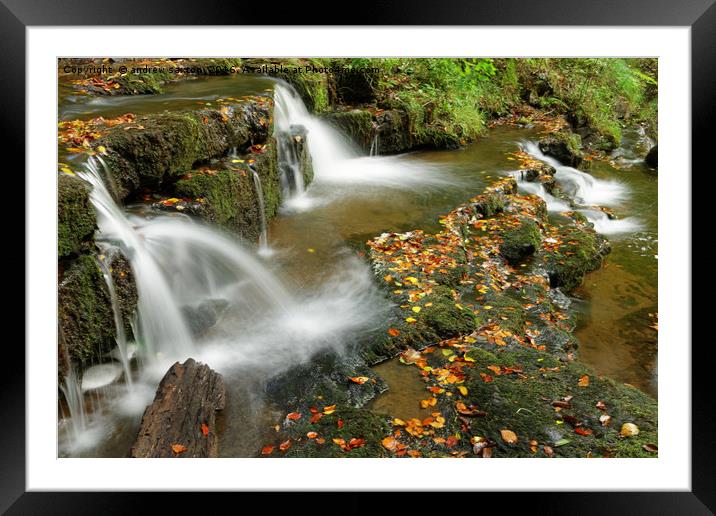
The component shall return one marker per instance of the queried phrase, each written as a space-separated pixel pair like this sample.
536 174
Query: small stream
314 268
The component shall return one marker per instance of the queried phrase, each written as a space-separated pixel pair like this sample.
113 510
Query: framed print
415 246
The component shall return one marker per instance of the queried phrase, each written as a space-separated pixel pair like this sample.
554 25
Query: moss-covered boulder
442 314
356 124
573 251
76 220
564 146
531 403
85 310
520 241
159 146
229 197
125 289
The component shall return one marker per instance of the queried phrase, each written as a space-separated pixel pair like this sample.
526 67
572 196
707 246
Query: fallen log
181 421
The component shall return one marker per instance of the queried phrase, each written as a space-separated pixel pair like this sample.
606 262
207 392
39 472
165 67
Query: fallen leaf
360 380
339 424
562 442
178 448
293 416
629 430
204 429
329 409
583 381
312 435
651 448
605 419
285 445
582 431
393 332
463 390
267 450
548 450
601 405
390 443
508 436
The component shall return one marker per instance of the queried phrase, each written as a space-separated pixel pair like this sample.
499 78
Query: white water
337 161
264 249
375 146
585 191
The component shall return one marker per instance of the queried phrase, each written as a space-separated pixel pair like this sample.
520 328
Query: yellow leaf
463 390
508 436
416 309
101 149
410 320
583 381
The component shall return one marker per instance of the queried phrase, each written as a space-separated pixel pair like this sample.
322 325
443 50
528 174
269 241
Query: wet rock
563 146
125 288
181 421
652 157
202 317
76 221
444 317
85 311
520 242
228 197
356 124
157 147
581 251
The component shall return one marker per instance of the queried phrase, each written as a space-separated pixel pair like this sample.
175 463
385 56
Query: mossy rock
85 310
230 198
356 124
356 424
125 289
443 316
169 144
76 222
581 251
522 403
521 241
489 204
564 146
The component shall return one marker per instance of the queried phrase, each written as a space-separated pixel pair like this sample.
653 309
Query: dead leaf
178 448
629 430
293 416
204 429
267 450
360 380
583 381
508 436
285 445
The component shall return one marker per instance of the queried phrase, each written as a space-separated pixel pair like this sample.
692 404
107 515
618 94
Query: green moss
581 251
171 143
84 310
444 317
489 204
76 221
356 124
522 403
521 241
357 424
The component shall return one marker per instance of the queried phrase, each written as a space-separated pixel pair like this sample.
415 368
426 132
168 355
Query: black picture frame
17 15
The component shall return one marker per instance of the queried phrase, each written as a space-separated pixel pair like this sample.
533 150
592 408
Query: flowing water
273 310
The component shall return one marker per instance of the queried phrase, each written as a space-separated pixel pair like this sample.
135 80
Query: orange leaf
583 381
267 450
390 443
360 380
204 429
316 417
495 369
329 409
294 416
393 332
582 431
178 448
356 443
508 436
339 423
285 445
311 435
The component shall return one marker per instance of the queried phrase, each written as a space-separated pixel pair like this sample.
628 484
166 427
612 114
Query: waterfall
72 391
374 145
586 192
263 237
122 351
553 203
335 158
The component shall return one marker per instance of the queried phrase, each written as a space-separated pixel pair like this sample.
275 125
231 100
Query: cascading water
263 237
374 145
336 160
586 192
